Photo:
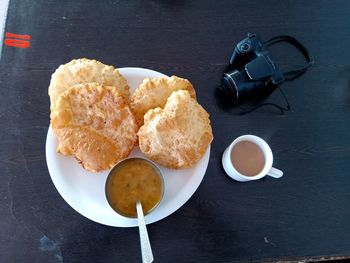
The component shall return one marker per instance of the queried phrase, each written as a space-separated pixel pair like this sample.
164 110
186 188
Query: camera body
245 51
252 73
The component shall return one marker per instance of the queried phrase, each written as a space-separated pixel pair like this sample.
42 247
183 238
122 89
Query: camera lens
238 87
228 83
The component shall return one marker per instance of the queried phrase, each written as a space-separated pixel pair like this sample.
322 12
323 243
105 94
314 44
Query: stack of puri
95 119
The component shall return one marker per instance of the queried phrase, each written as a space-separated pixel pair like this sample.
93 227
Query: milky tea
247 158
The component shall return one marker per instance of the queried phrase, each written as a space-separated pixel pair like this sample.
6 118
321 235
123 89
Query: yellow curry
134 180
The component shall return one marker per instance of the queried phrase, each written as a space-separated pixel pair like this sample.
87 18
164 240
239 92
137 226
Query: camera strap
293 74
289 75
282 109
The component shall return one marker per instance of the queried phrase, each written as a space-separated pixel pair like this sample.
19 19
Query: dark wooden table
303 216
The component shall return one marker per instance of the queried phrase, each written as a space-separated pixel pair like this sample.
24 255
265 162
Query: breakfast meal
178 135
94 123
134 180
94 119
153 93
82 71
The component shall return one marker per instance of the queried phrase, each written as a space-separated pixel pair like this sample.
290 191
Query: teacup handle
275 173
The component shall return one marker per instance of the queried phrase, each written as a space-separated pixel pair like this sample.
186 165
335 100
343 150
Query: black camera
252 73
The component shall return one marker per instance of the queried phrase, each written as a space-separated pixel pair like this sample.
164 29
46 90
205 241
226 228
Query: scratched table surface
303 216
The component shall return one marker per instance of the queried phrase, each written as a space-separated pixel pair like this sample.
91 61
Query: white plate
84 191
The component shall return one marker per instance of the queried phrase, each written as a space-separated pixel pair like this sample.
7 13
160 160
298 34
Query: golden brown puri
82 71
153 93
178 135
95 124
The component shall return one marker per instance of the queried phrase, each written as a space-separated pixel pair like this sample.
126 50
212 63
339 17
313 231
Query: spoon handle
146 250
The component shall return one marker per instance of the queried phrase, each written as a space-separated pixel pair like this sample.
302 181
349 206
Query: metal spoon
146 250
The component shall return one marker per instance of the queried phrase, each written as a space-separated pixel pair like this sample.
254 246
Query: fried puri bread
178 135
153 93
82 71
94 123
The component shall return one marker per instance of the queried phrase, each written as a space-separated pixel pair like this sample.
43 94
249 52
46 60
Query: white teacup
267 169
